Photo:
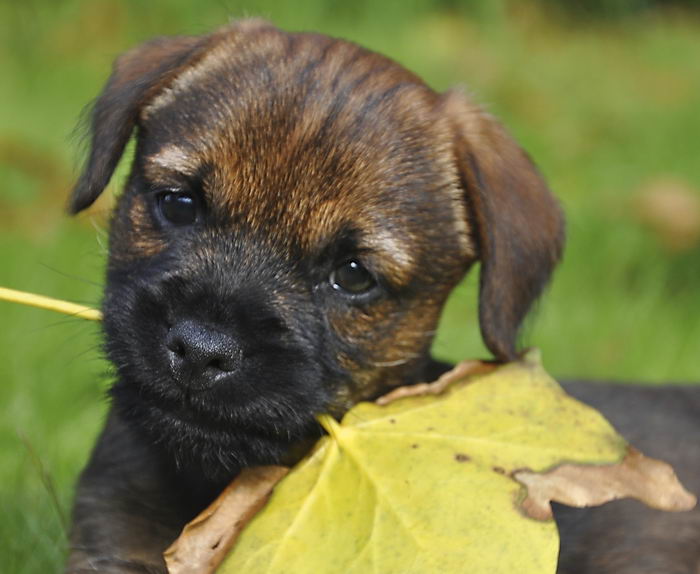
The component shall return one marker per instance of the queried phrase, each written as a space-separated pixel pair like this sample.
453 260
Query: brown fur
299 141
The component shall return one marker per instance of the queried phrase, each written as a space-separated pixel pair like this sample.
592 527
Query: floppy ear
137 76
517 224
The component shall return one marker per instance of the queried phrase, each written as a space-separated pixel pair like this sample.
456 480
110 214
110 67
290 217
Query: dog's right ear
516 223
137 77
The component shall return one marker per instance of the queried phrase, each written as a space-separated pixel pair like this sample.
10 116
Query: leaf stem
331 426
32 300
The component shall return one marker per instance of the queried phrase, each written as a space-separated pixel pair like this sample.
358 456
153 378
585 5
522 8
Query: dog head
297 212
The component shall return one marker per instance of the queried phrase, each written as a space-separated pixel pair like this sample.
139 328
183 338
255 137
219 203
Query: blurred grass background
604 95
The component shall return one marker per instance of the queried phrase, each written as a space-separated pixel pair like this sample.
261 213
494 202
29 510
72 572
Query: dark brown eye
352 278
178 207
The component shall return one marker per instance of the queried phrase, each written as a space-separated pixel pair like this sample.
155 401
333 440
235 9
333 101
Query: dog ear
137 77
516 223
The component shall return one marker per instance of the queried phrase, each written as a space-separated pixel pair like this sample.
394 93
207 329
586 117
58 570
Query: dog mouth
203 411
200 432
184 420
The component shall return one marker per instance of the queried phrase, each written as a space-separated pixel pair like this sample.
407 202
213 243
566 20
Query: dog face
297 212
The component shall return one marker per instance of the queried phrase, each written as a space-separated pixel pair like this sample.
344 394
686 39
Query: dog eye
177 207
352 278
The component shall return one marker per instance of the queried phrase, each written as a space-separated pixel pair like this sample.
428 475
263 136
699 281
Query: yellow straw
49 303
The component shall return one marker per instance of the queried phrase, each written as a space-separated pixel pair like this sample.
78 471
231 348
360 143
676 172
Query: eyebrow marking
176 159
385 242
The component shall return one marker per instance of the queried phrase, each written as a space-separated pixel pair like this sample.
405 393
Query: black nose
201 355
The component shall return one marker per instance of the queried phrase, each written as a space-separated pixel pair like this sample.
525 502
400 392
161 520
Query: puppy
297 212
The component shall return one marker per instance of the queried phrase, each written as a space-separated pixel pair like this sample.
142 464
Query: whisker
73 321
70 275
100 235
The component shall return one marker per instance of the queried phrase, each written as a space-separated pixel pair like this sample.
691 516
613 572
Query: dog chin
215 445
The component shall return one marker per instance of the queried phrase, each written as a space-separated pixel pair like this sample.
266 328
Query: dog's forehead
306 133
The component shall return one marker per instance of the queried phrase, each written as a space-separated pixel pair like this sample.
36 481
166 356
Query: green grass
605 106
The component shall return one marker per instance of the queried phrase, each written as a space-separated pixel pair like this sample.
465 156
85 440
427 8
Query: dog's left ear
136 77
516 223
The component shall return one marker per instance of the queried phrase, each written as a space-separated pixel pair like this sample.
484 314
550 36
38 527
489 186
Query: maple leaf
431 483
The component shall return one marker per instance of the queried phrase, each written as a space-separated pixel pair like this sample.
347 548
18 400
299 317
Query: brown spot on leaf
498 470
461 457
636 476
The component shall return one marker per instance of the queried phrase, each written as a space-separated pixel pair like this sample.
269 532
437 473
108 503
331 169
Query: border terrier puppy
297 212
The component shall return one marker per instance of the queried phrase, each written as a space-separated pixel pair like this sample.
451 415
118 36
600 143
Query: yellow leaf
425 484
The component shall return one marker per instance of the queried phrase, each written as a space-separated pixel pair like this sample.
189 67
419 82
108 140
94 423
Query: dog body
625 536
297 212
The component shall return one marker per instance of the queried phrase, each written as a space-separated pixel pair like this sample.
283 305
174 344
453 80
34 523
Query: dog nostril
175 344
218 365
